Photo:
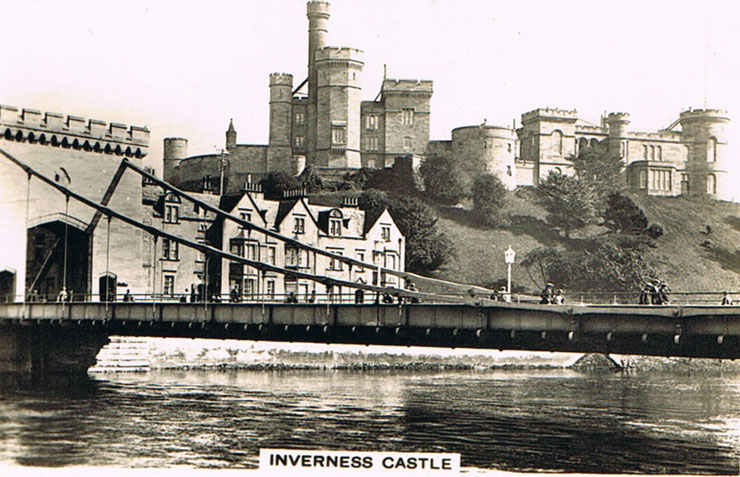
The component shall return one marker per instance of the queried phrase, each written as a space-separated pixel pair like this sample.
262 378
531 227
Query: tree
445 180
570 205
277 182
623 215
426 248
599 172
311 179
489 198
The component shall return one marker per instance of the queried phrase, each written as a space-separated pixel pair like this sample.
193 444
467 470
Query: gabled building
344 230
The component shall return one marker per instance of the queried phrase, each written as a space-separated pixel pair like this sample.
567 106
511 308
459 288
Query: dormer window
335 223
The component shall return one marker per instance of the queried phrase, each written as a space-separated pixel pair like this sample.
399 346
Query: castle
324 123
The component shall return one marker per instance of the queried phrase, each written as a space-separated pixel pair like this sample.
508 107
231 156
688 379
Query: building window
250 287
170 249
557 143
300 118
298 141
251 249
659 153
711 184
390 261
171 214
361 257
508 147
660 180
685 184
335 264
407 117
371 121
372 143
408 143
338 135
270 289
299 226
711 151
271 255
643 179
645 152
335 227
168 285
385 233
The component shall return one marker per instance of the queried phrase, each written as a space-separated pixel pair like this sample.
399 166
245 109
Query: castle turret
230 135
547 140
338 112
490 148
704 132
175 149
279 149
318 24
617 124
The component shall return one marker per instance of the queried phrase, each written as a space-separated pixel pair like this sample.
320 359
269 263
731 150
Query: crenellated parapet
550 114
281 79
57 130
339 56
407 87
710 114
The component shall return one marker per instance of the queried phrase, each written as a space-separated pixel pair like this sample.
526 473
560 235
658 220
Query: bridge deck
698 331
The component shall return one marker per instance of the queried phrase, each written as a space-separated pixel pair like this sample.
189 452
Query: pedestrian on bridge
548 295
62 296
234 295
726 298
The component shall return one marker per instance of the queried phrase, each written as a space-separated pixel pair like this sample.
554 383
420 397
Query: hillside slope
679 257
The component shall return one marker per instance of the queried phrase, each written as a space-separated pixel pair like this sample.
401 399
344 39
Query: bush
445 180
655 231
489 198
277 182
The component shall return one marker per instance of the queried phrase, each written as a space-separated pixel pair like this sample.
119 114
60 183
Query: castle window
371 121
407 117
684 183
299 225
686 153
643 179
372 143
659 153
338 135
408 143
299 141
557 143
652 153
300 118
508 147
711 184
644 152
711 151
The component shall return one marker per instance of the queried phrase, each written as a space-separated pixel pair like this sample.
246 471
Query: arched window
712 150
644 152
686 152
582 144
659 153
557 143
594 142
652 153
711 184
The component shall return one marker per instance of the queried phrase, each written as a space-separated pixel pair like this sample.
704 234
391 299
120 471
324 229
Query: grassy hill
679 257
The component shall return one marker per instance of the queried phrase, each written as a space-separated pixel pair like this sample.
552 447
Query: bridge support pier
41 349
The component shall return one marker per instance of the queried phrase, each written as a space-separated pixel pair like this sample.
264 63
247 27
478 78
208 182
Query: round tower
281 96
230 135
318 30
704 133
491 148
617 124
175 149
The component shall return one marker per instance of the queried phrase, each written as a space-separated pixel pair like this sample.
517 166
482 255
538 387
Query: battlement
343 53
281 79
621 117
486 130
660 135
391 86
35 125
590 129
550 113
712 114
317 9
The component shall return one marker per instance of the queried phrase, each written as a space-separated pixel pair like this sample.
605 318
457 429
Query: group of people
550 296
501 295
654 292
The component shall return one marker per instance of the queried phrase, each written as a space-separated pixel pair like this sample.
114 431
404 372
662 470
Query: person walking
726 298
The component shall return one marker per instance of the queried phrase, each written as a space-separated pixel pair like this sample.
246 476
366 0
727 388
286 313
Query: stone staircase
123 354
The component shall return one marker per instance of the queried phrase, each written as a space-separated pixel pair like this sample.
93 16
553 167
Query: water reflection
551 420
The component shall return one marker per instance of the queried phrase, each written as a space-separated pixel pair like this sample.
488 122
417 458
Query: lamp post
509 255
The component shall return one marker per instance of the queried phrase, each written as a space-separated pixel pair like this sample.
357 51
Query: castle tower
490 148
704 133
338 109
318 30
617 124
279 149
230 135
547 139
175 149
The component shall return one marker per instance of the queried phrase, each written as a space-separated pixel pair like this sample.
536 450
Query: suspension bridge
66 336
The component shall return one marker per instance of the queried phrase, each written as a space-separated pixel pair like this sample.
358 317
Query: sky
184 68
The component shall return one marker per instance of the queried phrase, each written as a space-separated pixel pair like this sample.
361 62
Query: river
554 420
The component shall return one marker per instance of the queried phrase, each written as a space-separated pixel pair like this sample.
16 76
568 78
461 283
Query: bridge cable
66 232
107 266
28 202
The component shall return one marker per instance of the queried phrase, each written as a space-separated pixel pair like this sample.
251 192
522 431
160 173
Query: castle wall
407 116
86 172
